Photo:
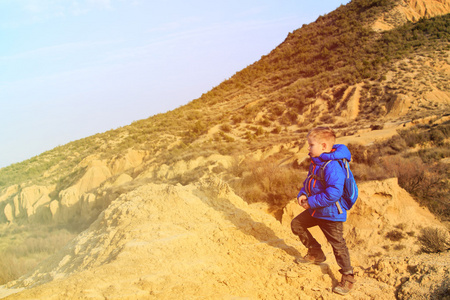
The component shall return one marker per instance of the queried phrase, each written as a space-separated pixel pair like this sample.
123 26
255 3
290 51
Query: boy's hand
305 204
303 201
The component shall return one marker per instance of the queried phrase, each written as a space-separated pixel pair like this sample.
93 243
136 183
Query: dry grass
267 181
420 172
22 248
434 240
395 235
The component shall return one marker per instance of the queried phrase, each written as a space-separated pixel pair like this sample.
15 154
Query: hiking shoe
313 256
345 285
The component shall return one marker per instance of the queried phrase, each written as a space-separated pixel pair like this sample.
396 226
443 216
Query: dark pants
333 231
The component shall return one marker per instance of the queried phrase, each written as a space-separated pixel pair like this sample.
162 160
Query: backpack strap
346 166
321 173
321 177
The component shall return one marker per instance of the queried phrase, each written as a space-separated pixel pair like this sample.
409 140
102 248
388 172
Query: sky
72 68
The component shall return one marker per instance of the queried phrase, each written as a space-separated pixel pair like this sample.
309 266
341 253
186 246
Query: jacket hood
339 151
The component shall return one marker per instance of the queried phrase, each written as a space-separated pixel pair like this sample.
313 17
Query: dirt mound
182 242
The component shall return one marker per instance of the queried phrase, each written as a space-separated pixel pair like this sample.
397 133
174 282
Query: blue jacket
322 196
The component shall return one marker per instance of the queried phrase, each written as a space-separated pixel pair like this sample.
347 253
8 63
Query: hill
195 201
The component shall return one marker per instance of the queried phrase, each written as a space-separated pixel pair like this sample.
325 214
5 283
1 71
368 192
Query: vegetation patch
23 247
421 172
434 240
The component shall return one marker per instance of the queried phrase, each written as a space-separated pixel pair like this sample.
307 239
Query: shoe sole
341 293
301 261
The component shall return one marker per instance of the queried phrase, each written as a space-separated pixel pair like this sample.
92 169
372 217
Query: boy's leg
299 226
334 232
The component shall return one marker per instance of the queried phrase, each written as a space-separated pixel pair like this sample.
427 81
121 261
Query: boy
319 198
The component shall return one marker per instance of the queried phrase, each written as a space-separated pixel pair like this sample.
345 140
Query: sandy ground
203 242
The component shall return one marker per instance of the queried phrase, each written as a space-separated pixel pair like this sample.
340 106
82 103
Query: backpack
350 193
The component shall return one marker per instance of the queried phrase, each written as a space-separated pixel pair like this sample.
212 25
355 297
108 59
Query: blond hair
322 134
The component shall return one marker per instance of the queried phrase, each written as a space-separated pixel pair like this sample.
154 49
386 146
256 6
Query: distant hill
377 71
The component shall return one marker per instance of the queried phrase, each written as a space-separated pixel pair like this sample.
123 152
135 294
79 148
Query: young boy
319 198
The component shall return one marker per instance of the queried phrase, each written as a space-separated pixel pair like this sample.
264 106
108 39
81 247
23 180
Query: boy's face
316 147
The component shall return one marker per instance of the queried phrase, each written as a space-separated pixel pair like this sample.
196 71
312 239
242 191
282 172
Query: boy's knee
296 227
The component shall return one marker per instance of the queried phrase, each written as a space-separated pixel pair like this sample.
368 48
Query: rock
9 213
28 201
123 178
131 159
54 208
8 192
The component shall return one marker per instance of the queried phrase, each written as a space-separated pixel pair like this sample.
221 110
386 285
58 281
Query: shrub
276 130
265 122
395 235
227 138
198 128
364 172
437 136
237 118
225 127
411 172
377 127
266 181
327 118
360 154
27 247
399 247
249 136
434 240
413 137
400 226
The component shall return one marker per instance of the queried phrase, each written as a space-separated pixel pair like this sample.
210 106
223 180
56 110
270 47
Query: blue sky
73 68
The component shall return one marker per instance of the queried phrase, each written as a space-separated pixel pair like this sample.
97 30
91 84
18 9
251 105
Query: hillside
202 241
197 201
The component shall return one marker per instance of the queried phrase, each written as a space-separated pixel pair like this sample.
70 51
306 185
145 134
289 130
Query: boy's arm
334 187
303 190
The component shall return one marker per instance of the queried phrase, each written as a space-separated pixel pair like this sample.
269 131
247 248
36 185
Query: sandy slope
203 242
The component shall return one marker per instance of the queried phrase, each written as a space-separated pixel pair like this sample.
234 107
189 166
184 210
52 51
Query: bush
225 127
411 172
27 247
420 173
434 240
395 235
276 130
364 172
437 136
434 154
266 181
